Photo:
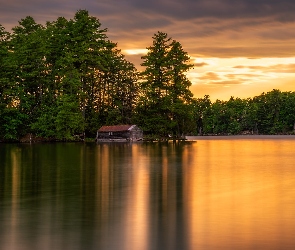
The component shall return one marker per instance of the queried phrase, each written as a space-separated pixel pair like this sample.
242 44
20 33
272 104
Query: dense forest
65 79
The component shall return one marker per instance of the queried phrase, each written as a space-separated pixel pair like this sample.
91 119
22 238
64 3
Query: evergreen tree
201 107
25 70
165 96
44 68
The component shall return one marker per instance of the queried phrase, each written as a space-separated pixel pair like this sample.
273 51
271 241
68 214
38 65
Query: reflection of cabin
119 133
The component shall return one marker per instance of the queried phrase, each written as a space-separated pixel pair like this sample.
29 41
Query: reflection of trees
166 194
124 196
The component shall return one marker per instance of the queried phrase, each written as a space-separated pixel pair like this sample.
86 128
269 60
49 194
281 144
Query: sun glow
135 51
241 77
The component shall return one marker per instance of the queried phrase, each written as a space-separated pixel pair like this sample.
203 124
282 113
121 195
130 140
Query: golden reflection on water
235 200
210 194
15 192
104 185
137 200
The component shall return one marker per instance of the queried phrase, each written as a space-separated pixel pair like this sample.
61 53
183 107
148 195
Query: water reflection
210 194
242 195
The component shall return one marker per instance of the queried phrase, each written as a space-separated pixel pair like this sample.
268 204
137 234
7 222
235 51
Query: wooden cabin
119 133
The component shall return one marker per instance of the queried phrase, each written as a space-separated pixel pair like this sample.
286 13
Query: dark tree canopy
63 79
165 97
66 79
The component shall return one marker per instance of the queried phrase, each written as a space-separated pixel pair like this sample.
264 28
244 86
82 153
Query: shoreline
222 137
187 138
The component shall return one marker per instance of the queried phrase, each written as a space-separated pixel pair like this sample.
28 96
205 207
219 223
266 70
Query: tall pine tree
164 105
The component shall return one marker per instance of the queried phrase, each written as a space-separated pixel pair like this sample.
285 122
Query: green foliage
66 78
12 123
45 125
69 120
201 111
268 113
275 112
165 98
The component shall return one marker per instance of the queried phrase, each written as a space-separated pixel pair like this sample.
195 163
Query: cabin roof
116 128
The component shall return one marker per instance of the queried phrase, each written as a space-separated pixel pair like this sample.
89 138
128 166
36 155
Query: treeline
62 79
268 113
67 78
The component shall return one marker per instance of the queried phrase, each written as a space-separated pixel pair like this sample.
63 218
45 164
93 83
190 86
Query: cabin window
110 133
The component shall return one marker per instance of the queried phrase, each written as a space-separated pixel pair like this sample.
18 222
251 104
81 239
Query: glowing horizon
241 77
239 48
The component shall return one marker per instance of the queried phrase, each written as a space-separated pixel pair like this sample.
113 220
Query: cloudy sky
240 48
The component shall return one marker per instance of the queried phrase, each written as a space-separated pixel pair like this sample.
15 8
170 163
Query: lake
207 193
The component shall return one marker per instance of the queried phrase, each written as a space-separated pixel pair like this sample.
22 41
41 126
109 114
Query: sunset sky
240 48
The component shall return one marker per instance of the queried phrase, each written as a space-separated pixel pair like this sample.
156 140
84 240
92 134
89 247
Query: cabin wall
113 135
134 134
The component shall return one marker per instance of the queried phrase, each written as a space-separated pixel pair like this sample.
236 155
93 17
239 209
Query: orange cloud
221 36
202 64
277 68
210 76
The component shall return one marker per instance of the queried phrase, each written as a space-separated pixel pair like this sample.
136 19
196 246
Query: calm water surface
213 193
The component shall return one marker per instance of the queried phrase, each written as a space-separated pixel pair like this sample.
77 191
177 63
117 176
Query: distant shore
227 137
187 138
